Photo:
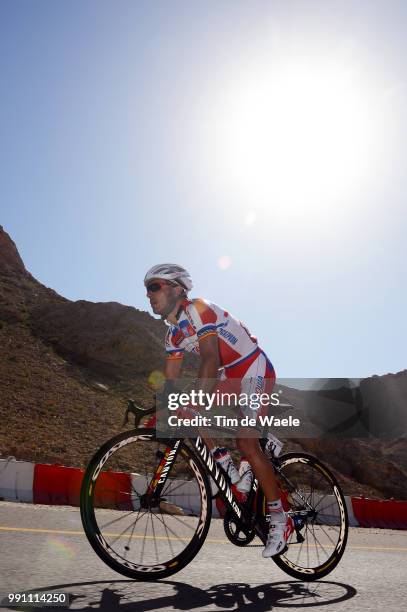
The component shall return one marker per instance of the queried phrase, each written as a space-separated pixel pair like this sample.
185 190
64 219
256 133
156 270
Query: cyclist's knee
248 446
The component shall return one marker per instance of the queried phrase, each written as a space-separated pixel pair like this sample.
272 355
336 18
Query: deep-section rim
138 571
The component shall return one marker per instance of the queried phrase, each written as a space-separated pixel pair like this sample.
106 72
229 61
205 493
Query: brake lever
137 412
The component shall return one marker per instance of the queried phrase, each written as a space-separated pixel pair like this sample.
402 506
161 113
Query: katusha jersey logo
186 328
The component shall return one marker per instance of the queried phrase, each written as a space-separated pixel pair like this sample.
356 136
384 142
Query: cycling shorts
249 378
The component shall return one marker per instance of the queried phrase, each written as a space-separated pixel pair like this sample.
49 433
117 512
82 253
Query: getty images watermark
292 408
196 409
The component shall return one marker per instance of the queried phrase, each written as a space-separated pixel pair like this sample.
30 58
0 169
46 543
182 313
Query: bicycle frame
220 479
242 512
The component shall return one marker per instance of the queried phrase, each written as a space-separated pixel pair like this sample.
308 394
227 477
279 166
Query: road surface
43 547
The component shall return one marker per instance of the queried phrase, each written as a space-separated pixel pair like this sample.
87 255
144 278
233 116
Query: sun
296 136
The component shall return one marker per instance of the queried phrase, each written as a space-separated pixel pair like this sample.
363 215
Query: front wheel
311 495
137 533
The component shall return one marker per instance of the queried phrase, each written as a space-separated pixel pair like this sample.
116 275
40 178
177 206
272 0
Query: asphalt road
44 548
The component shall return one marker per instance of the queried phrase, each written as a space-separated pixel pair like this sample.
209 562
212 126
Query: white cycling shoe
278 534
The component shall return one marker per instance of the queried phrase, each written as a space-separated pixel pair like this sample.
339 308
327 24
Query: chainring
235 532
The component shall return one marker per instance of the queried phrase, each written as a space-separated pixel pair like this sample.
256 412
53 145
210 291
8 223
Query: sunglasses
154 287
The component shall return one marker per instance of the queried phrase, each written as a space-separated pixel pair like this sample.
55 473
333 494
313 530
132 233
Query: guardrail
54 484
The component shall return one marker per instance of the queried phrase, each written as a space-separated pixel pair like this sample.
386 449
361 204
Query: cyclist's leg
258 379
261 466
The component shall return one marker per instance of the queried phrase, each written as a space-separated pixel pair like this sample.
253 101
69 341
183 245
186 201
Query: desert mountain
66 368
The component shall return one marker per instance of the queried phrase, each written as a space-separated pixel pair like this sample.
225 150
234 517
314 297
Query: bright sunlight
298 136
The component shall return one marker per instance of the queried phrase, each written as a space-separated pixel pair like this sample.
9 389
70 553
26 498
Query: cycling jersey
244 367
199 318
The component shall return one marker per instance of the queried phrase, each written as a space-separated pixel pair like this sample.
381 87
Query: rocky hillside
66 369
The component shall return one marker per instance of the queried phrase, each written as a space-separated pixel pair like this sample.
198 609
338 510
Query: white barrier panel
328 507
353 522
16 480
16 484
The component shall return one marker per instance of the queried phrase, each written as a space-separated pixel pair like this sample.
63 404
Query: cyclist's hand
161 397
148 422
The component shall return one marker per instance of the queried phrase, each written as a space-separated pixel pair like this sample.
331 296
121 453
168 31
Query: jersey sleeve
172 351
202 318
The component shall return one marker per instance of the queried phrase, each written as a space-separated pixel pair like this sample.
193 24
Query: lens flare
62 546
156 380
224 262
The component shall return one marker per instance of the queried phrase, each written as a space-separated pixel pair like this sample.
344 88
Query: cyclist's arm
172 368
208 372
210 362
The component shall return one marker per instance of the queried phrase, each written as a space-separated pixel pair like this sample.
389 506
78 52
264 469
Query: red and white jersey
199 318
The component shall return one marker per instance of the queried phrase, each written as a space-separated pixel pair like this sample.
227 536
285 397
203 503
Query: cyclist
225 346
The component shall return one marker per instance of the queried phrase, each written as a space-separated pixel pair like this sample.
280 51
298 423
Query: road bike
146 506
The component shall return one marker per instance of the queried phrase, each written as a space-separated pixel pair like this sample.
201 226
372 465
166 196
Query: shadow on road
131 596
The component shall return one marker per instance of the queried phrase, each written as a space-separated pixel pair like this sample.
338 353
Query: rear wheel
312 497
136 533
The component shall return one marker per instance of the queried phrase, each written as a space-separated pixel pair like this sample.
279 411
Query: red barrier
61 486
388 514
56 485
113 490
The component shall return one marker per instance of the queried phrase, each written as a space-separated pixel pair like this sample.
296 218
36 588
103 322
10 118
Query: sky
262 145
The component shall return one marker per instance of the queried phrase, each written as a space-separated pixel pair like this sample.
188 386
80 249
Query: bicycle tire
119 504
328 521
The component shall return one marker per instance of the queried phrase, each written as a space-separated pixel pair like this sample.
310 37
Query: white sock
276 511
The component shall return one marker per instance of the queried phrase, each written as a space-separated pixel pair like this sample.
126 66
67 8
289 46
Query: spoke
334 503
144 541
301 495
115 492
299 552
120 518
130 537
311 486
170 491
166 533
322 499
171 530
314 488
328 555
315 543
123 532
174 516
328 536
155 543
135 490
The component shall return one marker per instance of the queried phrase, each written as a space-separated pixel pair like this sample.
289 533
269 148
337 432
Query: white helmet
170 272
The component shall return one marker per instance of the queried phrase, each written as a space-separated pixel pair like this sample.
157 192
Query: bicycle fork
159 478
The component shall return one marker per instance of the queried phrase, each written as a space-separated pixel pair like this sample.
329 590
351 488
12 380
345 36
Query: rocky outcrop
109 338
10 260
20 292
